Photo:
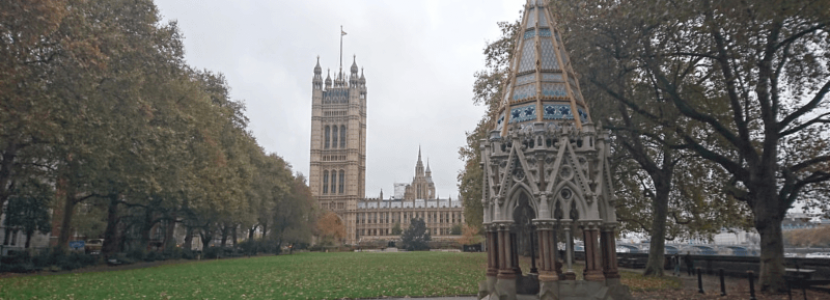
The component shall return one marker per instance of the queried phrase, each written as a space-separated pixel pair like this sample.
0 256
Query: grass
298 276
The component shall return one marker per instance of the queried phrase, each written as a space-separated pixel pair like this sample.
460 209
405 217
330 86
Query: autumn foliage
812 237
331 228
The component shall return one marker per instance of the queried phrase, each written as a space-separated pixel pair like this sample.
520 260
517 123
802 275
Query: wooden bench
799 277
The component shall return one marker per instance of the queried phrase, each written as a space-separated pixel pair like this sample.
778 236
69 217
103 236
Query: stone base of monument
530 288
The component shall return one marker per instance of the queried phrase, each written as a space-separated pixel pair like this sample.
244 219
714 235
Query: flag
342 33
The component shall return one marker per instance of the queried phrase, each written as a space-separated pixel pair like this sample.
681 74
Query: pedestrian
675 261
690 264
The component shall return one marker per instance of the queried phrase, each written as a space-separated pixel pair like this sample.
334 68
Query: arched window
342 179
342 136
325 181
333 181
334 136
327 137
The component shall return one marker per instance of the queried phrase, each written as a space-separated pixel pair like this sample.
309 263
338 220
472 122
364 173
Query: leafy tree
396 229
456 229
750 76
811 237
331 229
416 236
470 236
28 209
486 91
294 214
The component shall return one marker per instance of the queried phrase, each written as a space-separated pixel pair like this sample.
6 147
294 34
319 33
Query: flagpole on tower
342 33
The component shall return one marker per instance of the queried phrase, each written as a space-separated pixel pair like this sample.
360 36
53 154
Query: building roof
542 86
417 203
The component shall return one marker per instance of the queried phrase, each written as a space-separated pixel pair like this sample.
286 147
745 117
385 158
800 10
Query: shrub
212 252
173 253
137 254
153 256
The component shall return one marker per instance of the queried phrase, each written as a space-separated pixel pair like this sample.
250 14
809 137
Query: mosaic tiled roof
542 86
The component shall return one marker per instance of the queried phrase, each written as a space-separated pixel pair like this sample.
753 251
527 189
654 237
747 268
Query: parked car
818 255
94 246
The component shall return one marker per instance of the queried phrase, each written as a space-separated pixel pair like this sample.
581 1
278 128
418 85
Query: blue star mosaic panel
551 112
562 112
523 113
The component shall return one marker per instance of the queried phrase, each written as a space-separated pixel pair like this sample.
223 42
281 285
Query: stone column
515 251
547 252
506 267
610 260
593 271
505 287
569 251
492 250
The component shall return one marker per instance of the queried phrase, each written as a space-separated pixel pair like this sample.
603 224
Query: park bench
802 278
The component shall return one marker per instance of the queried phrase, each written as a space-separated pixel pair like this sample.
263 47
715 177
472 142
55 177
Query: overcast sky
419 59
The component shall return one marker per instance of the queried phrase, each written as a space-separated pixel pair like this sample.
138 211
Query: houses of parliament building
337 176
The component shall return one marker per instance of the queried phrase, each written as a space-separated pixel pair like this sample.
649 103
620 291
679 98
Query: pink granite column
593 271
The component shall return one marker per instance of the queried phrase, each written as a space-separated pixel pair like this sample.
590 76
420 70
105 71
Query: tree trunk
169 241
29 234
660 209
110 246
768 224
233 235
207 236
7 236
66 222
6 171
224 235
146 227
188 238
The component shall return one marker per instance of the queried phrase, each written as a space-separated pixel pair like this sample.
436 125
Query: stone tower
422 186
337 176
546 174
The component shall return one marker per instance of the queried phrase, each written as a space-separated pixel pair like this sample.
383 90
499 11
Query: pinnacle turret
328 79
354 66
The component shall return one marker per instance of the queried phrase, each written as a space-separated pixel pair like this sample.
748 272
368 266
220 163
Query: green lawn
298 276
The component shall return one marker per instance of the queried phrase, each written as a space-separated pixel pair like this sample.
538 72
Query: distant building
337 175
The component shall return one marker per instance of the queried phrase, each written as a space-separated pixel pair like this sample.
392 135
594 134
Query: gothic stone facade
546 168
337 176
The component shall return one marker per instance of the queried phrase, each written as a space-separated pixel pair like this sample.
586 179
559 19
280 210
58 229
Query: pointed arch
577 197
512 200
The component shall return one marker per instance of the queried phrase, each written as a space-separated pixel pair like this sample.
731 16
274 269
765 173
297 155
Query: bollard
699 281
722 285
751 276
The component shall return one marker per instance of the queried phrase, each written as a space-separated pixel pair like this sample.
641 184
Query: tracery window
342 179
325 181
334 136
328 135
342 136
333 182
